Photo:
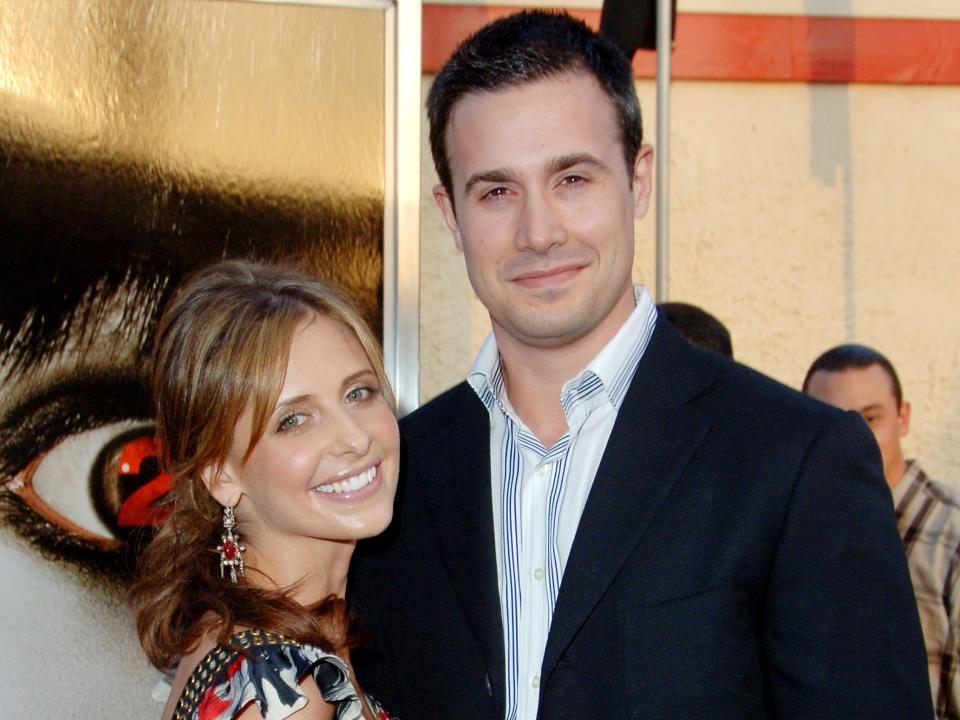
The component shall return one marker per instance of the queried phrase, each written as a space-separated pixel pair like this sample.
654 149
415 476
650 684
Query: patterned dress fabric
268 672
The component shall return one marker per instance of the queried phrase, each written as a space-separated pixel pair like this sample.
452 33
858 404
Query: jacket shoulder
766 399
451 409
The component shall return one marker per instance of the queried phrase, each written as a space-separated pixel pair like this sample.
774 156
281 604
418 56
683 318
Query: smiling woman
276 424
141 141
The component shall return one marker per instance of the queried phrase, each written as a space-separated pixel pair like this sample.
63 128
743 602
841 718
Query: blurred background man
855 377
698 326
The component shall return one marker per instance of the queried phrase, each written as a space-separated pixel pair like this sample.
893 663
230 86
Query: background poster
139 141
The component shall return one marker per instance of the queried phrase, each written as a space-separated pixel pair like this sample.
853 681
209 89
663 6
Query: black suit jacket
737 558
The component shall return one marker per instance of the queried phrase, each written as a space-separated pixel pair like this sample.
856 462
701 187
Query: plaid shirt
928 516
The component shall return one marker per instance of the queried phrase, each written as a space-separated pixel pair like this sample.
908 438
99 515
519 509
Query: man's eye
573 180
496 193
99 485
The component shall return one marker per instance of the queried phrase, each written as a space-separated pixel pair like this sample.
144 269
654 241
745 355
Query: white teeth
350 484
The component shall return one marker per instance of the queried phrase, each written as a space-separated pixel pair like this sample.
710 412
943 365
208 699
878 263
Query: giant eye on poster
140 141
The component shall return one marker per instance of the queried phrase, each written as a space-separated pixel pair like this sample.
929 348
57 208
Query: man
604 520
854 377
698 326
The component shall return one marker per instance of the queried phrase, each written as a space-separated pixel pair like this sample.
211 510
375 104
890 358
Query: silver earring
230 549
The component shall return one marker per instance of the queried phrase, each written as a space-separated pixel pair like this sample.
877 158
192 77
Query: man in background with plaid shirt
854 377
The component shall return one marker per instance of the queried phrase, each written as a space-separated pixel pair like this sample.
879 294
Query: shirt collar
610 371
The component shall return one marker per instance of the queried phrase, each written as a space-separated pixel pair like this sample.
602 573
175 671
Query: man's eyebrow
497 175
871 408
565 162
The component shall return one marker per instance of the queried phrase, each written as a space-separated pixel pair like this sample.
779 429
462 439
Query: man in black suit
605 521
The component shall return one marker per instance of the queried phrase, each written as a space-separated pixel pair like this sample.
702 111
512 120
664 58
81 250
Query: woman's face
326 466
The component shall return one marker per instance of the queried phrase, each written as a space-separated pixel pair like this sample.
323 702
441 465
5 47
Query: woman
277 425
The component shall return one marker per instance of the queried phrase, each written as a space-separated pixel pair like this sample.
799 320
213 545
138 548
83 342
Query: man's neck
534 376
896 473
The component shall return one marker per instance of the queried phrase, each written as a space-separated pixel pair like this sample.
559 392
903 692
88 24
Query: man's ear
221 484
903 418
443 200
642 181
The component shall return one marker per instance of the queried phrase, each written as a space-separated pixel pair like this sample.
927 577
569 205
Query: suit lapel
654 437
461 510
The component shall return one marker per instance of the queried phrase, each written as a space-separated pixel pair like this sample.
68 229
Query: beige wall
803 216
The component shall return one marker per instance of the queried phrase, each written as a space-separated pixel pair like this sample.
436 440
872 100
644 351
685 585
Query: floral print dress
269 671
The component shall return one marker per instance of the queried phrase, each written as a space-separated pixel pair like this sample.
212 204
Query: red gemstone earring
230 549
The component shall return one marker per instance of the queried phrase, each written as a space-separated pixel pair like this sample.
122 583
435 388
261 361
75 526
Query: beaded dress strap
213 663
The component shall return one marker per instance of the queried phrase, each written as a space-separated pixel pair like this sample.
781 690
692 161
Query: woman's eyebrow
287 402
348 380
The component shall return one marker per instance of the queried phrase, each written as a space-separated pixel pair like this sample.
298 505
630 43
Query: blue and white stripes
539 493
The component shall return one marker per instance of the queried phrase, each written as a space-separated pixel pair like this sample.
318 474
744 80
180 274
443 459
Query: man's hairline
579 67
852 368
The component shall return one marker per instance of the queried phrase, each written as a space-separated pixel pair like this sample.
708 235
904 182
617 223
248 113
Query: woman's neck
314 569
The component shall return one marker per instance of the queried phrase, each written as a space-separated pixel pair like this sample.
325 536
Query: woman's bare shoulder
187 663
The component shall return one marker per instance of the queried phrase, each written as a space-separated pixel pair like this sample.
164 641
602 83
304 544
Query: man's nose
541 227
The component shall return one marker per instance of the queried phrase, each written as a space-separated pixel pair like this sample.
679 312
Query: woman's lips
355 487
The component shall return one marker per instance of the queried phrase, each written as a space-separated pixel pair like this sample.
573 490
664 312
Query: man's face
545 208
869 391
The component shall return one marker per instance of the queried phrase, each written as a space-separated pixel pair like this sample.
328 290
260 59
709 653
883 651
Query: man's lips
549 277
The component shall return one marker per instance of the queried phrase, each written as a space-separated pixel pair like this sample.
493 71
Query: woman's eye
290 422
360 394
99 485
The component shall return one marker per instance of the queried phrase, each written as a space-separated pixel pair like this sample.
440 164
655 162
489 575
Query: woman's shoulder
258 673
184 669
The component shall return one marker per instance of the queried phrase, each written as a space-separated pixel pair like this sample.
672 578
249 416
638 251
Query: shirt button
538 574
535 681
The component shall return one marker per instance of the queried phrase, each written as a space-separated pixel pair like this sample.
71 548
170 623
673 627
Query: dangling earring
230 549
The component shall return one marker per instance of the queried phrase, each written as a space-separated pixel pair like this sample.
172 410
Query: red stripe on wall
758 47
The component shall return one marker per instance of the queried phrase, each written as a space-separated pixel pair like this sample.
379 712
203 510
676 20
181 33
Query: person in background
855 377
276 422
698 326
604 520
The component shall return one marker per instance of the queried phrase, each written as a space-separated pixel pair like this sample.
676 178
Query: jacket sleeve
843 636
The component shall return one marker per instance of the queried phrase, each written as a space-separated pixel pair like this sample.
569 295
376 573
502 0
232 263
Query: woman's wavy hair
222 345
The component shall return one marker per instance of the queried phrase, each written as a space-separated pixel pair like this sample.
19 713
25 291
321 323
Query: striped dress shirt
539 493
928 516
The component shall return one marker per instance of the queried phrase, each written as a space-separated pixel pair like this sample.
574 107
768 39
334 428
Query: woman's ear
221 484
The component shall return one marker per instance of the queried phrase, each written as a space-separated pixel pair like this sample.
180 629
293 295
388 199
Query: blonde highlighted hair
222 345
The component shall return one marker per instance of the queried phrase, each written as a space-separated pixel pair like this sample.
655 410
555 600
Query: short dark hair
523 48
851 356
698 326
